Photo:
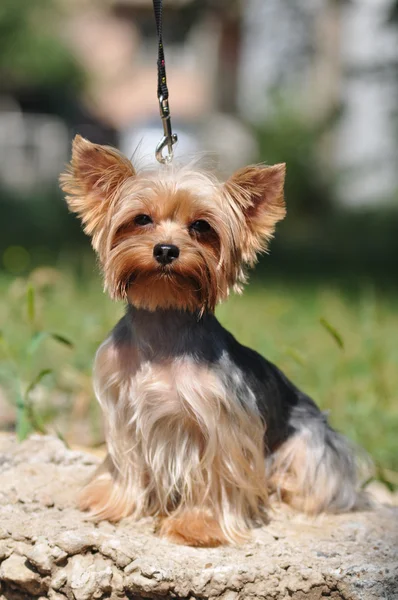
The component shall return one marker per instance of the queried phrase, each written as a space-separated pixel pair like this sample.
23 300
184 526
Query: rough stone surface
48 549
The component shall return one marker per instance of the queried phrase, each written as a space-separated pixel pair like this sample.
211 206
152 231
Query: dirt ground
48 549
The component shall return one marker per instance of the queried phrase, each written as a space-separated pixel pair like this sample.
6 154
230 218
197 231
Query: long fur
177 442
199 428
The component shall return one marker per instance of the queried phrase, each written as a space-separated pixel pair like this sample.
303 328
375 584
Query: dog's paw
192 528
104 497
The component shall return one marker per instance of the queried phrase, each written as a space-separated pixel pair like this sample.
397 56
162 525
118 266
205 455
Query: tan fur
176 443
259 193
92 183
179 447
193 528
103 188
306 479
181 406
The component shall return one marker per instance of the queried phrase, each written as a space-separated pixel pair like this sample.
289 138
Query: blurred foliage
348 246
321 237
337 345
40 223
289 136
20 372
393 13
31 56
43 375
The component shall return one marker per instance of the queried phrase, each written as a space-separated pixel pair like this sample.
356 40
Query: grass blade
35 420
43 373
23 424
30 304
62 339
40 336
333 332
382 476
62 438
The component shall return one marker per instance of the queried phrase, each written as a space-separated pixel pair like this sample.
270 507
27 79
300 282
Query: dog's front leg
117 485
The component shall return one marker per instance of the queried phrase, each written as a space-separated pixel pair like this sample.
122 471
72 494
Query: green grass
340 347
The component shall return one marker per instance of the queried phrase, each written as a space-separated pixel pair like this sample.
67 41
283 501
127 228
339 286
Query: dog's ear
92 181
258 191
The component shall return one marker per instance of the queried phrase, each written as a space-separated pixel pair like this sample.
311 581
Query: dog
200 429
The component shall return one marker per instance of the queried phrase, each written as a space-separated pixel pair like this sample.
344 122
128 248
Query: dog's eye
143 220
200 226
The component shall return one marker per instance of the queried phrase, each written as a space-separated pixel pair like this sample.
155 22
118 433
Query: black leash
169 138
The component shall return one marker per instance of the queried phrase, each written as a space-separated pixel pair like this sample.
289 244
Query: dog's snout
166 253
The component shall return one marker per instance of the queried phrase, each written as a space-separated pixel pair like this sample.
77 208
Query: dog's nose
166 253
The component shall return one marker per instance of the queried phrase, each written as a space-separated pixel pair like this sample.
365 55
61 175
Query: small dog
200 429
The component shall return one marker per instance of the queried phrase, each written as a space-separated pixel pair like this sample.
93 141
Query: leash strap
169 138
162 83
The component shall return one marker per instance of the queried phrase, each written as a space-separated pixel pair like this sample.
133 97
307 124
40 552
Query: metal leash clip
169 138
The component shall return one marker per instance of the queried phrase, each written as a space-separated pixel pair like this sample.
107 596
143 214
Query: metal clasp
169 138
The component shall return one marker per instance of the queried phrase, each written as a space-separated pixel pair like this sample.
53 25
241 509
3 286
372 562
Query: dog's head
175 238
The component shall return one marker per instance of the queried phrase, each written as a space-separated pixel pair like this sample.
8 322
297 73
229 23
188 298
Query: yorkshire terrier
200 429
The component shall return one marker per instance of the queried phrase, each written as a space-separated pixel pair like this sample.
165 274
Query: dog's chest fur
172 357
172 405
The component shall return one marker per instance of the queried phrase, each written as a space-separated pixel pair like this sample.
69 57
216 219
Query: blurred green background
323 305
